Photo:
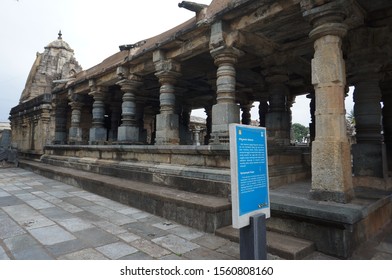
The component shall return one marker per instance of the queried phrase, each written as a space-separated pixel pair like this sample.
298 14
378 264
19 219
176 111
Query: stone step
197 179
283 246
203 212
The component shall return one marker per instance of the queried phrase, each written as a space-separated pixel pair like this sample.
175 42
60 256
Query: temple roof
59 44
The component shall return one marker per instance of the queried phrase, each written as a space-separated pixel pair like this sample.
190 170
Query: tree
350 123
299 132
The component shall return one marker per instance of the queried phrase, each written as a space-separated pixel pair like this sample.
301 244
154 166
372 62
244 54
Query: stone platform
335 229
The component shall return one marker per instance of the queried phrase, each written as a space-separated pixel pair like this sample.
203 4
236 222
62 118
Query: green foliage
299 132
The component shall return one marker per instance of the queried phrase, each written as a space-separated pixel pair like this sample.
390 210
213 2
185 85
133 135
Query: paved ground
44 219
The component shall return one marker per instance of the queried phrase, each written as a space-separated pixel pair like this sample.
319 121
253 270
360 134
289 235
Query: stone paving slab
42 219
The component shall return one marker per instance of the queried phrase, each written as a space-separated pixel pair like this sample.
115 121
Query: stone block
98 134
75 134
128 134
223 115
167 129
331 171
187 160
367 160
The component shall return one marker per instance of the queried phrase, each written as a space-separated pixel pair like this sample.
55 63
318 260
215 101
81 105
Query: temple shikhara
129 117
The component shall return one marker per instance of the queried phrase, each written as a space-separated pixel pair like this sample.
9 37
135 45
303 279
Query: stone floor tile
78 201
175 244
88 216
113 205
128 237
145 230
110 215
3 193
150 248
186 232
109 227
95 237
69 207
165 225
206 254
56 214
173 257
8 228
11 188
3 254
137 256
32 253
51 235
39 204
85 254
58 193
75 224
210 241
9 201
20 242
140 215
116 250
231 249
66 247
26 196
129 211
27 217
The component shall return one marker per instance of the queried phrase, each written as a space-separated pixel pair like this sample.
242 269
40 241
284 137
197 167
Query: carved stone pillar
246 116
115 120
140 122
312 109
196 136
387 123
226 111
185 120
263 111
60 135
278 118
208 111
331 158
75 131
129 130
98 132
366 57
367 152
167 122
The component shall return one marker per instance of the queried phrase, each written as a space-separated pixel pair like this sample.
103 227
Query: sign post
249 188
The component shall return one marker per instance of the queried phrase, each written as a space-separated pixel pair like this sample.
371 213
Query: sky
93 28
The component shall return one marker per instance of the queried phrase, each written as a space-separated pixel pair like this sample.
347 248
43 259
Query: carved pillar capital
224 55
326 18
131 83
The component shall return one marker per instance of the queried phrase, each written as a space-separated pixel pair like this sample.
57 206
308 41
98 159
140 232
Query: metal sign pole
253 239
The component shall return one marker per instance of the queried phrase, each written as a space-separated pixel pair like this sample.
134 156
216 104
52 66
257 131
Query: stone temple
128 117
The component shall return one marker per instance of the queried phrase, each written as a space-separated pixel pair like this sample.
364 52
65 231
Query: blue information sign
249 173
